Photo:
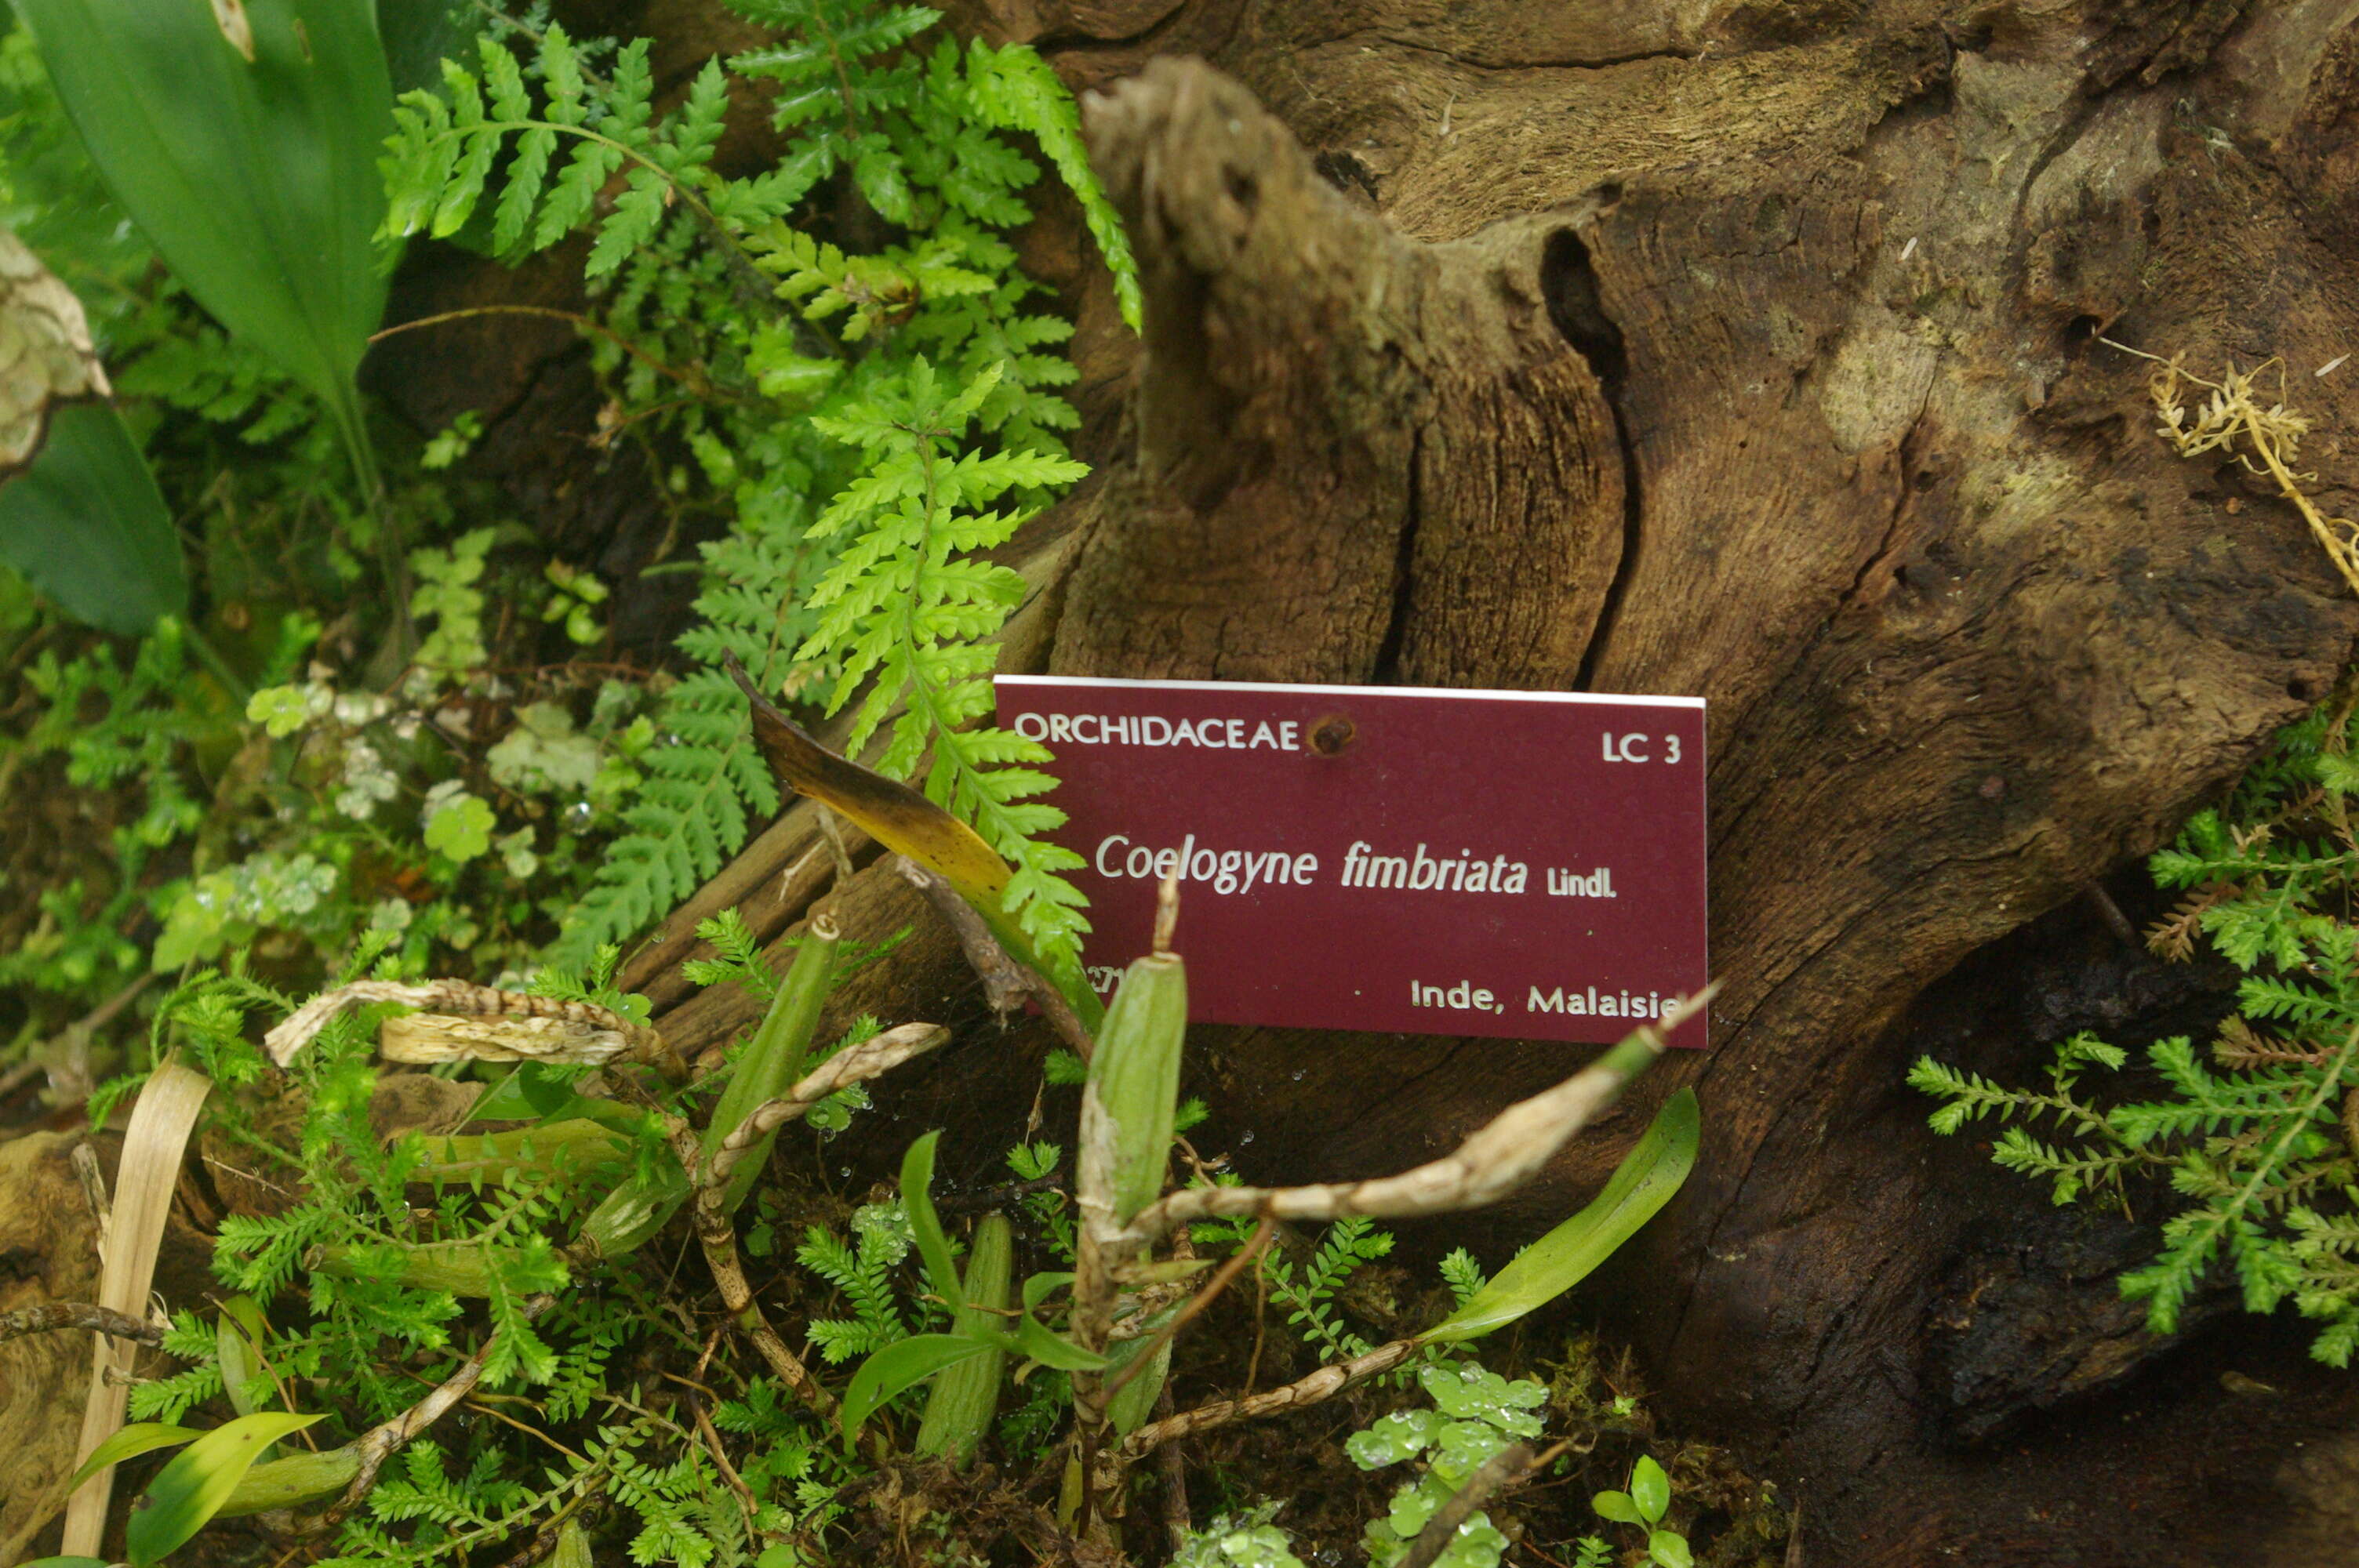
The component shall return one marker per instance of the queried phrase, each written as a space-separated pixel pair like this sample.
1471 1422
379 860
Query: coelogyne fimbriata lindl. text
1508 863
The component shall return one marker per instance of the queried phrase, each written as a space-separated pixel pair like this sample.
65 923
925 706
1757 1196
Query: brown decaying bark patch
1745 350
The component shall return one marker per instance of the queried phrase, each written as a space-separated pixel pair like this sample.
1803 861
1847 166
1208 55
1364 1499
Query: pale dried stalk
481 1023
855 1063
1499 1158
1323 1384
719 1239
153 1146
2233 414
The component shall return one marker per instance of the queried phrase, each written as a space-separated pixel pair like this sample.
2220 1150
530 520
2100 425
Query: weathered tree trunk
1748 349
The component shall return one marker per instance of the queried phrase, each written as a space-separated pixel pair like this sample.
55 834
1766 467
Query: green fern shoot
760 321
2260 1144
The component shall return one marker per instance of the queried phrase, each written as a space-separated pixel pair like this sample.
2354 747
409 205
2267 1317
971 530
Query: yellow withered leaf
893 814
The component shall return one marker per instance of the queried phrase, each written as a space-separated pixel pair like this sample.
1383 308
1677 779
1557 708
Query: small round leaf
1650 1489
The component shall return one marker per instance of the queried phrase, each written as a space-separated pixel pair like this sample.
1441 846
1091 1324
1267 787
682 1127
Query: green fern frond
862 1272
1014 88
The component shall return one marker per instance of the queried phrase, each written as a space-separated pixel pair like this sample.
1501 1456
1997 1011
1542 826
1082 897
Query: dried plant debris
2266 440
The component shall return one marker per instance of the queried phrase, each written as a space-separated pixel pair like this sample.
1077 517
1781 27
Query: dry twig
1323 1384
855 1063
482 1023
50 1316
719 1239
385 1439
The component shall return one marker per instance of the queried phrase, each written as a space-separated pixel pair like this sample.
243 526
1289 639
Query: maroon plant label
1528 865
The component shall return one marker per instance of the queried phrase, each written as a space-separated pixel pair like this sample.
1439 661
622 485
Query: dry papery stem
154 1144
2233 414
855 1063
719 1239
481 1023
1508 1152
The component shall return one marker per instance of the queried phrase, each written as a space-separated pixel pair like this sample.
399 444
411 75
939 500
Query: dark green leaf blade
898 1367
87 527
933 1244
1054 1350
256 181
129 1443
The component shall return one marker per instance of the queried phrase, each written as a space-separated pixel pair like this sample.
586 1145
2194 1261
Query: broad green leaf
1642 1184
253 171
87 527
240 1358
191 1490
1668 1549
933 1245
1617 1506
1038 1288
139 1437
1650 1489
1054 1350
67 1562
898 1367
538 1091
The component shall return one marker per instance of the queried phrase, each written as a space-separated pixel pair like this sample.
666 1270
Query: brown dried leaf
46 357
893 814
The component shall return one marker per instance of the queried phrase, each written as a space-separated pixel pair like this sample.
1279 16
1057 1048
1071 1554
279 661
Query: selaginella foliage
2256 1134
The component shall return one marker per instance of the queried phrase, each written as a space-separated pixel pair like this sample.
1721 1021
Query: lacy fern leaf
906 607
738 314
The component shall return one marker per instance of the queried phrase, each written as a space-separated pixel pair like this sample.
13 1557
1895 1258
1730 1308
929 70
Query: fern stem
695 383
2329 1082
